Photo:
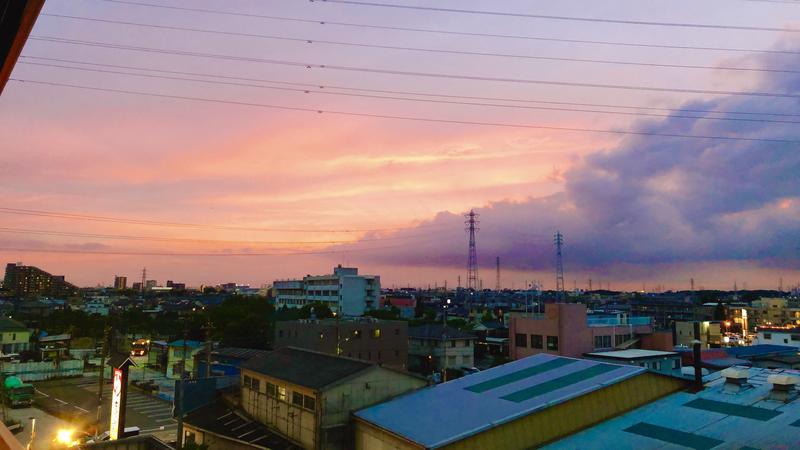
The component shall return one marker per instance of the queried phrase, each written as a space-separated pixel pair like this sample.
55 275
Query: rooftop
7 324
632 354
437 331
220 419
304 367
492 397
239 353
189 343
712 418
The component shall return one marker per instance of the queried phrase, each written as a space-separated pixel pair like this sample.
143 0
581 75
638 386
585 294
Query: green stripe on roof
672 436
519 375
796 423
558 383
731 409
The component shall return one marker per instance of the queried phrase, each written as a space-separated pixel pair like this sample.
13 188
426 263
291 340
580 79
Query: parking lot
75 400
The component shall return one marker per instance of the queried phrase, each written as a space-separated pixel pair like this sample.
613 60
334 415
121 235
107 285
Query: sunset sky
226 176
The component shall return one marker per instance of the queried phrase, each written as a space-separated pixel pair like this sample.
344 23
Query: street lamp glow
64 437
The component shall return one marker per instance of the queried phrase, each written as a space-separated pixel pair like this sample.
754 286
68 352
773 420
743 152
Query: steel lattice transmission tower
558 240
472 262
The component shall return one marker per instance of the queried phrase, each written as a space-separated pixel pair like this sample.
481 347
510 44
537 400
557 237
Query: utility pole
691 281
558 240
144 280
472 260
497 282
101 380
180 393
208 328
590 284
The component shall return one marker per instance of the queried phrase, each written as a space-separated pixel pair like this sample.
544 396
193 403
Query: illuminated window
281 393
552 343
376 333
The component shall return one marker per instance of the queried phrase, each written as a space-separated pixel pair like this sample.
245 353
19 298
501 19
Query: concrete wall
437 354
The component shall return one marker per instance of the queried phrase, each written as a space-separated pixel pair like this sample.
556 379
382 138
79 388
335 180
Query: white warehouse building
344 291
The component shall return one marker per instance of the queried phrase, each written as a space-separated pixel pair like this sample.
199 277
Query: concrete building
29 281
777 336
15 337
566 329
344 291
739 408
309 397
433 347
380 341
665 362
179 361
120 283
664 309
709 333
519 405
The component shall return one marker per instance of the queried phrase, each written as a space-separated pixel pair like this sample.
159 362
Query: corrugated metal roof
449 412
714 417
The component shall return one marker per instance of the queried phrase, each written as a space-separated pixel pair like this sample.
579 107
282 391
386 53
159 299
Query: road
76 400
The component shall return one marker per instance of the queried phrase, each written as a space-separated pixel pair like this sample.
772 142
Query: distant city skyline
689 193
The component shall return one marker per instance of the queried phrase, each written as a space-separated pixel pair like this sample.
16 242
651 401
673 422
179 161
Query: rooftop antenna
558 240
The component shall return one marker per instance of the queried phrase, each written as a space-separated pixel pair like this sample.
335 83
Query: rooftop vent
735 379
783 387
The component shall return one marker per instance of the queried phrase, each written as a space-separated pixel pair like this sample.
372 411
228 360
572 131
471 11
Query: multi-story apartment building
29 281
120 283
344 291
434 347
566 329
380 341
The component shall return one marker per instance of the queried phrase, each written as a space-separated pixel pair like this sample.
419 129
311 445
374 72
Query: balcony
618 321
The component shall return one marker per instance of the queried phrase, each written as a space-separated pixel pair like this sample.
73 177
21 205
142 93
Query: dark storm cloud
655 199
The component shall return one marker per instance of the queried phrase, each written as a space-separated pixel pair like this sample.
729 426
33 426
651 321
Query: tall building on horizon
344 291
29 281
120 283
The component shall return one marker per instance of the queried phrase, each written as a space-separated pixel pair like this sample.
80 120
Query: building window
297 399
247 381
521 340
397 353
602 341
452 343
309 403
376 333
767 335
280 333
552 343
281 393
536 341
256 384
676 364
271 390
397 331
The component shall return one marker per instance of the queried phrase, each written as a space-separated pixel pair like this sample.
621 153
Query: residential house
15 337
181 356
434 347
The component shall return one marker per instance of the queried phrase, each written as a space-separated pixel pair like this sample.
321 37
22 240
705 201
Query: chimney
735 379
783 387
698 366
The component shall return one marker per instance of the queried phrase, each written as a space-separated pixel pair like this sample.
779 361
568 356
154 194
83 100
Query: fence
45 370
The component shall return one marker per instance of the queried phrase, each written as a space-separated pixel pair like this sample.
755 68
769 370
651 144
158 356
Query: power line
431 50
409 73
189 240
561 18
382 97
94 218
156 253
325 87
449 32
412 118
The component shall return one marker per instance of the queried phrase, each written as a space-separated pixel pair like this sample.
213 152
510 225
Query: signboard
116 402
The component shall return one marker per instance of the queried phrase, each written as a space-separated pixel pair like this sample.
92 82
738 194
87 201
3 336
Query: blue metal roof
753 351
713 418
442 414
